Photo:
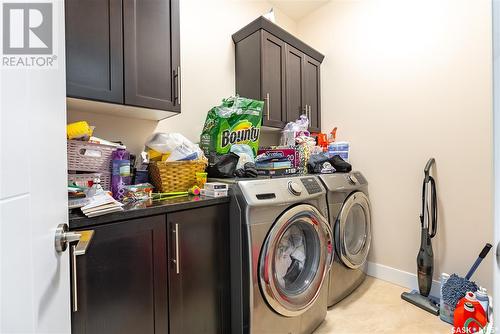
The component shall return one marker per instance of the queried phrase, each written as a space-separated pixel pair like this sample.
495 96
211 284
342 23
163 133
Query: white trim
399 277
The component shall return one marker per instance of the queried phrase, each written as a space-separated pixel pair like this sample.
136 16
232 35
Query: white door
34 278
496 117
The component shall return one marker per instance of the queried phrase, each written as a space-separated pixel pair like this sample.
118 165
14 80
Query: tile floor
376 307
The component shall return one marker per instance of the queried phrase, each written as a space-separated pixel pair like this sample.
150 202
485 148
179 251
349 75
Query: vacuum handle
427 168
485 251
482 255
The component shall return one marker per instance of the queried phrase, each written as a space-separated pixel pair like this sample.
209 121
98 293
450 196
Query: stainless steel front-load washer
281 254
350 218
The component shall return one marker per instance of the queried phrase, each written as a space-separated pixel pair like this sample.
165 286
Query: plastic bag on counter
176 145
245 153
224 167
293 130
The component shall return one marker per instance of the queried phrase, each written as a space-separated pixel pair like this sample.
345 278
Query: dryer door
295 259
353 230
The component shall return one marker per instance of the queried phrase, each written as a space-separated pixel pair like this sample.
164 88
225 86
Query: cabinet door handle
177 258
268 102
310 114
179 85
62 240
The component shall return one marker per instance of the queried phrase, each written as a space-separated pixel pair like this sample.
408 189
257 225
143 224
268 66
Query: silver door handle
268 102
310 114
177 258
63 238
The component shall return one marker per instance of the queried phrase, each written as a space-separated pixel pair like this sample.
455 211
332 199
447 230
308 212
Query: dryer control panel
311 184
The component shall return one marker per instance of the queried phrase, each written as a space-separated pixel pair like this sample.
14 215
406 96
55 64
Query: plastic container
121 176
445 310
483 299
469 315
339 146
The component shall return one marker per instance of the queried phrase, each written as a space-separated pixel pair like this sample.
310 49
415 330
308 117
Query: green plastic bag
236 121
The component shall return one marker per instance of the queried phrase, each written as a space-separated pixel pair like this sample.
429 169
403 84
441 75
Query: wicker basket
175 175
99 160
85 178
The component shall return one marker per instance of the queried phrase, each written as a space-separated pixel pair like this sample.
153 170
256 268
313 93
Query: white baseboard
399 277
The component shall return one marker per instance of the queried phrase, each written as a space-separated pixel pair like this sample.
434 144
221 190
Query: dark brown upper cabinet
312 94
273 80
125 52
295 105
274 66
94 44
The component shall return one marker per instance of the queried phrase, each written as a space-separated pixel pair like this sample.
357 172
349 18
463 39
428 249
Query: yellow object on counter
154 155
79 130
157 156
201 179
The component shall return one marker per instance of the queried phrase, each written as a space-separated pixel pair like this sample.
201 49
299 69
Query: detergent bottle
469 315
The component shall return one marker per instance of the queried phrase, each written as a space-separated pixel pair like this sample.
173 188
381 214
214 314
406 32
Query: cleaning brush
456 287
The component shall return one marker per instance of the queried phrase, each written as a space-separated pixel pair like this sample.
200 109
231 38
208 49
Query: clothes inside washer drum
290 256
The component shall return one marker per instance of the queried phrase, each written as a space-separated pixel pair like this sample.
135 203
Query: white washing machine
350 218
281 254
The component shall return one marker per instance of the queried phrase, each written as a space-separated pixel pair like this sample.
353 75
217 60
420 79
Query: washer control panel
352 179
294 188
311 184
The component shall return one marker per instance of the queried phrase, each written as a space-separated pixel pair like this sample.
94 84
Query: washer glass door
294 260
354 230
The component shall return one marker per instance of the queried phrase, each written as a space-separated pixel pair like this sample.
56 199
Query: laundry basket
89 157
83 179
175 175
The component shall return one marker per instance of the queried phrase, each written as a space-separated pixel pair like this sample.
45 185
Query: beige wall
207 61
406 80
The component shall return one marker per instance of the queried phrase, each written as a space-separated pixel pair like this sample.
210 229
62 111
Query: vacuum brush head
420 301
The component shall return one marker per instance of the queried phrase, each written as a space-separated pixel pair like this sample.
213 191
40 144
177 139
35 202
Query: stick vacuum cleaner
425 256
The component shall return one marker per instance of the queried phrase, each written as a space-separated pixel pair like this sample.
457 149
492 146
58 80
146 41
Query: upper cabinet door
273 80
151 49
94 50
312 96
294 83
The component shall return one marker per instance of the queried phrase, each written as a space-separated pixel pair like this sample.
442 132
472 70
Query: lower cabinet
160 274
199 271
121 280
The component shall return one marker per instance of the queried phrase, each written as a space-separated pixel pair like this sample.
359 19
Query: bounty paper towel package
236 121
